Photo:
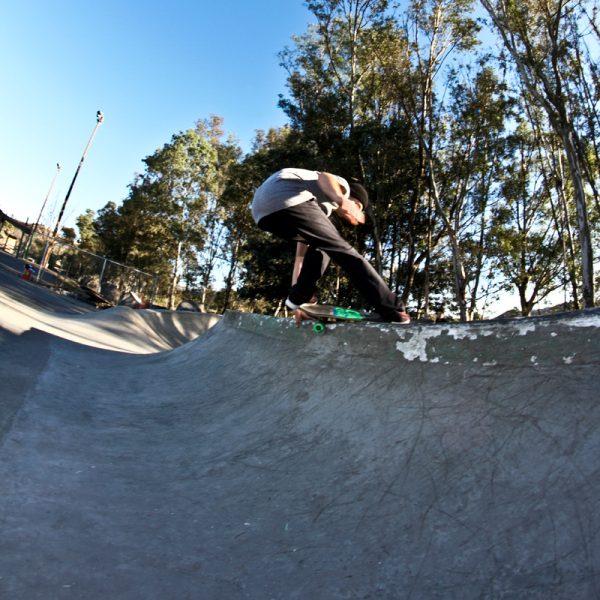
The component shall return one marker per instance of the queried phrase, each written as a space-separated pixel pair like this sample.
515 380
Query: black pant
307 222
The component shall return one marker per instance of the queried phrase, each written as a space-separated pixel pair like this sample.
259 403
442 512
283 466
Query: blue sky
153 68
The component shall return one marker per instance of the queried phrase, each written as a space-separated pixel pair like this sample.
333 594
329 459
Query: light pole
99 119
48 251
34 230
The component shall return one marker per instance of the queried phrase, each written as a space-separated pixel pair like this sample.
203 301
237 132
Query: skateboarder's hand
351 212
300 316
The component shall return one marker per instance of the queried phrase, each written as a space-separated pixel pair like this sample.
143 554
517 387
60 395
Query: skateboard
327 313
99 300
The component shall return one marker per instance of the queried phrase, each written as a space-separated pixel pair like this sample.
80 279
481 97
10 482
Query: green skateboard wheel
318 328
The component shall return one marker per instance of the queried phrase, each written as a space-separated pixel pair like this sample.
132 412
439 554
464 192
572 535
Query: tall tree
260 262
215 249
524 237
553 169
432 31
471 153
88 238
170 215
541 37
181 175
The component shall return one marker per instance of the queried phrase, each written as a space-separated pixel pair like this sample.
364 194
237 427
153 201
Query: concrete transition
266 462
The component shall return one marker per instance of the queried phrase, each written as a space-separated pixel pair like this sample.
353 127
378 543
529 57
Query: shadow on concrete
33 295
22 359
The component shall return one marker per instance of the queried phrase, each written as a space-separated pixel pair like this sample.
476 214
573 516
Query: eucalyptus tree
244 177
525 240
464 185
543 38
215 248
88 238
178 179
114 236
327 69
432 33
342 104
131 233
258 263
554 170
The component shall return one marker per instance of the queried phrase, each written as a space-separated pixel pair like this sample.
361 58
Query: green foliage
69 234
524 241
171 214
469 170
545 42
88 238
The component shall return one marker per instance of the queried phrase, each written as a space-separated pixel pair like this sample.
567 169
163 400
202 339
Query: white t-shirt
290 187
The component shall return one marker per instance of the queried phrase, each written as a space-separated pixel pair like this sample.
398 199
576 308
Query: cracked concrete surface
263 461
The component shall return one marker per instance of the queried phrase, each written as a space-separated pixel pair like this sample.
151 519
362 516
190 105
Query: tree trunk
174 277
548 90
460 278
587 255
230 275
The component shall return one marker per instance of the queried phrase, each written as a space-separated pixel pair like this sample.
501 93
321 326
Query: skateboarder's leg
287 224
314 266
308 222
368 282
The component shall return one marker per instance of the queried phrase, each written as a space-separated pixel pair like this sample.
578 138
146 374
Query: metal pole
34 230
102 271
48 252
99 119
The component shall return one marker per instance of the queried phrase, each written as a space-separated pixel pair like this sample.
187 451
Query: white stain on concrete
524 327
467 332
585 320
416 347
472 332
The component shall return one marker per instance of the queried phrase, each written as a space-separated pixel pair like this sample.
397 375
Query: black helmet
358 191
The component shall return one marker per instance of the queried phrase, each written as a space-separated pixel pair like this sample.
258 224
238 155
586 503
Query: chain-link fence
66 265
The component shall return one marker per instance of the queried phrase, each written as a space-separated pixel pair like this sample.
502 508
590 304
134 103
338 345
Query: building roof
25 227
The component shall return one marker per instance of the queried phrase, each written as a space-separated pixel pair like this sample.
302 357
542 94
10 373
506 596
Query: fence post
154 289
40 266
102 272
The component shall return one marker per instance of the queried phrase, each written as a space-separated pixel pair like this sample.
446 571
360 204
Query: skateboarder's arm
348 209
331 187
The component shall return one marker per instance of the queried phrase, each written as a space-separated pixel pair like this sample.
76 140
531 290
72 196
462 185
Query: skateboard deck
99 300
328 313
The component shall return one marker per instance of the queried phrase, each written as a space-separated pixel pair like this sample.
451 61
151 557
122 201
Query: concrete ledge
566 338
263 461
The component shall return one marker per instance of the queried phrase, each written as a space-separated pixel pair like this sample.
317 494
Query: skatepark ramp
267 462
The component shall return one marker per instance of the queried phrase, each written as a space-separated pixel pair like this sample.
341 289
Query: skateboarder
295 204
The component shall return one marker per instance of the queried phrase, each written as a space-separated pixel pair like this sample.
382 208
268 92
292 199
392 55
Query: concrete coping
565 338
